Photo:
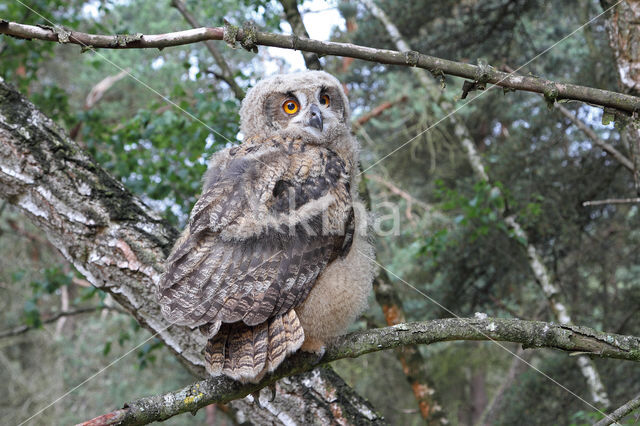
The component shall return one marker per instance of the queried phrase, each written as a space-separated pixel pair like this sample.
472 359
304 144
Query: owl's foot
256 395
314 346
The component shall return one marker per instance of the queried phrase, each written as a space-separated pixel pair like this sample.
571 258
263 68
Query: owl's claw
256 395
314 346
272 388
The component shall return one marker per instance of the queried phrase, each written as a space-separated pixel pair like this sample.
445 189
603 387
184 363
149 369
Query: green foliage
52 279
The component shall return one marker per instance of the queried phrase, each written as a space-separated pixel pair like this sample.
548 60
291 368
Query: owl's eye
324 100
290 106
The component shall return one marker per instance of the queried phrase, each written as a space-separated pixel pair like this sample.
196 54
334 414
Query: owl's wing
259 236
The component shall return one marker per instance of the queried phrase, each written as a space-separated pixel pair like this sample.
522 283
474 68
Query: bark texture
116 241
623 26
621 412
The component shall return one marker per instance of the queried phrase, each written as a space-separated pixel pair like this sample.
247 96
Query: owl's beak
315 117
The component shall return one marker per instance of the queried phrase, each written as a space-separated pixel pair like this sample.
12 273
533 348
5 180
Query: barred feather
245 260
247 353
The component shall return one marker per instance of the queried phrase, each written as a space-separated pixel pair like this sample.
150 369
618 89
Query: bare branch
621 412
53 318
297 25
531 334
612 201
436 65
620 157
225 75
379 110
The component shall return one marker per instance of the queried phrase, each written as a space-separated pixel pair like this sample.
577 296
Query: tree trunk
623 26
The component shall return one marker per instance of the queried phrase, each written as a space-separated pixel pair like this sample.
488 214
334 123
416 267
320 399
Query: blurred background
452 241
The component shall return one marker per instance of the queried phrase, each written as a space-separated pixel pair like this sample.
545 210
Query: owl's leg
313 345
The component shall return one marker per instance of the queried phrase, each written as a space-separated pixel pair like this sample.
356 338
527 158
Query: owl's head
310 104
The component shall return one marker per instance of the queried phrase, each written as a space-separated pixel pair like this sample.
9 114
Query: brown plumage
276 214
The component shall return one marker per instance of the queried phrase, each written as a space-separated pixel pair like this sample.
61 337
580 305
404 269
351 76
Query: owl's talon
272 397
256 398
272 388
314 346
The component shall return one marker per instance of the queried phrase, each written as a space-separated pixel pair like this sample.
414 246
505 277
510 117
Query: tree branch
621 412
226 75
436 65
311 60
588 131
360 121
612 201
595 138
53 318
531 334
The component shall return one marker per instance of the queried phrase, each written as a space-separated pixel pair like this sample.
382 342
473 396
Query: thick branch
409 58
531 334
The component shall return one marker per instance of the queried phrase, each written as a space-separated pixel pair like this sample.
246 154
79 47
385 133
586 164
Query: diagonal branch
588 131
225 72
620 157
621 412
297 25
251 38
531 334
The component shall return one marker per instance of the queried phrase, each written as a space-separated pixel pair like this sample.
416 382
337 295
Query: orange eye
324 100
290 106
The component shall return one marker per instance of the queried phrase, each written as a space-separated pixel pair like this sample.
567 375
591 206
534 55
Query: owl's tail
246 353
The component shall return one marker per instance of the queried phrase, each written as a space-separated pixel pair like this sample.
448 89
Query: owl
276 256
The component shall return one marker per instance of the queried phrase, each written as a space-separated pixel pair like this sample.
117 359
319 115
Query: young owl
276 255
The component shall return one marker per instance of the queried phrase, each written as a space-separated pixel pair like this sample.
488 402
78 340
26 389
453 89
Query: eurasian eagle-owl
276 255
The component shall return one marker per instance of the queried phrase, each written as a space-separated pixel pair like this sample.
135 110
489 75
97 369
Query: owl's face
314 110
310 104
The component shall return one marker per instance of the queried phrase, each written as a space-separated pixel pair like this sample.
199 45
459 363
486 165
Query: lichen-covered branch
250 38
116 241
531 334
